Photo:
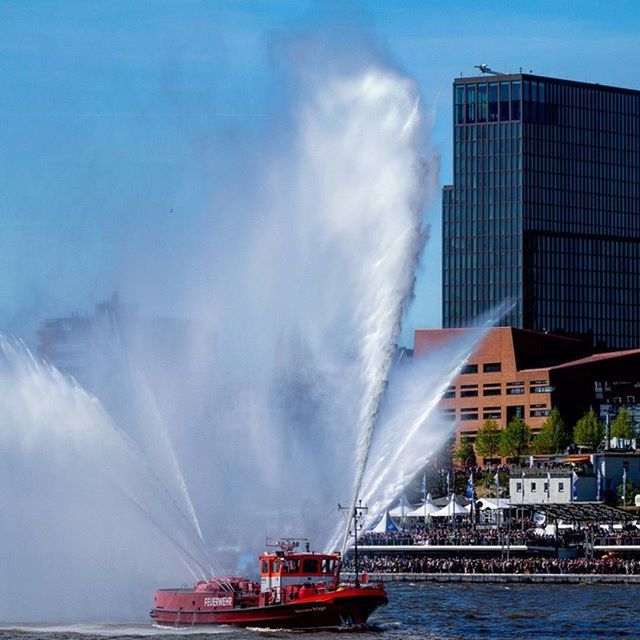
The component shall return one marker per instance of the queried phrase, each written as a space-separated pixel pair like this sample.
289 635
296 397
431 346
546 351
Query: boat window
327 565
310 565
276 566
292 566
265 566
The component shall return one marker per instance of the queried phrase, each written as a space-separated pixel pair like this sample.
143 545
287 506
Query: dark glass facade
545 207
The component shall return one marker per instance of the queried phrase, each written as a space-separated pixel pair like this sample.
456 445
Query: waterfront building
544 208
514 371
551 480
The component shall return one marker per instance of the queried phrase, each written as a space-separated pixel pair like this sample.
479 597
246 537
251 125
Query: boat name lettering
225 601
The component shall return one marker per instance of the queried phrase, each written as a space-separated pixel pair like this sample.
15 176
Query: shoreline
513 578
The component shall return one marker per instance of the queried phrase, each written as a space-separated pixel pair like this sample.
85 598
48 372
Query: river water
428 611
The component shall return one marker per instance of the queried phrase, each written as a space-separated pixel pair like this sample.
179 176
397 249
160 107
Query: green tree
630 494
465 454
544 441
561 434
488 439
589 431
515 438
554 436
622 426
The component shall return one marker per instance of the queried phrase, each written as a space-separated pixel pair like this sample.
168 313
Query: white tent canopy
402 510
429 507
385 525
453 508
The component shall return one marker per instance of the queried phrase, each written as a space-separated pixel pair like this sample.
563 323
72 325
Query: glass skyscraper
545 207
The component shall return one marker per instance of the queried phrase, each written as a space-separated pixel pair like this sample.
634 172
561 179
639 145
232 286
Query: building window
545 487
539 413
493 101
471 103
504 101
514 391
492 415
492 367
459 104
518 487
450 393
561 487
469 368
468 416
542 389
533 487
482 102
515 100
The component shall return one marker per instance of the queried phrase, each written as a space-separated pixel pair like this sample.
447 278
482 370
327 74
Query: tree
465 454
561 434
622 426
515 439
544 441
488 439
589 431
630 494
554 436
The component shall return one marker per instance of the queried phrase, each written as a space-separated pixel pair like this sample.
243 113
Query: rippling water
430 611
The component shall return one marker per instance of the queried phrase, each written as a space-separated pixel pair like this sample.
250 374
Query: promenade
518 578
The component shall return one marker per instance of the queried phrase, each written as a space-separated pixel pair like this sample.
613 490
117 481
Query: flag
522 478
448 483
548 484
624 485
424 487
470 489
598 484
574 487
497 479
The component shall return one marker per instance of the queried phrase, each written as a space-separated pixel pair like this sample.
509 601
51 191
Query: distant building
550 479
545 207
64 343
68 342
515 371
535 486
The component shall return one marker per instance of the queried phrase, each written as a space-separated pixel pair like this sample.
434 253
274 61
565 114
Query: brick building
520 371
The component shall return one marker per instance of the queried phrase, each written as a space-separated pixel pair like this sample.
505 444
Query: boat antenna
356 510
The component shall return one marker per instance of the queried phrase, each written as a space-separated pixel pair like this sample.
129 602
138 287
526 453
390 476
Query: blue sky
112 112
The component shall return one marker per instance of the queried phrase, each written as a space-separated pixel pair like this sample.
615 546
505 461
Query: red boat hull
347 606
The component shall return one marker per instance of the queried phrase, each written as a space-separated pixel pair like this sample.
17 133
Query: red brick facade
515 370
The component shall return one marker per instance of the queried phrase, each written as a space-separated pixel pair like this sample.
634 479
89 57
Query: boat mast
357 510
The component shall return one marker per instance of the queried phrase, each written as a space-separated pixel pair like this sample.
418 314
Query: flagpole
424 497
497 479
522 505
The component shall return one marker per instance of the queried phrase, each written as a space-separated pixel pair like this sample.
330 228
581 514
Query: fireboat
297 590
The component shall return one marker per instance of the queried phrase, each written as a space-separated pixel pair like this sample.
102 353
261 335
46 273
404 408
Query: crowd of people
447 536
397 563
467 535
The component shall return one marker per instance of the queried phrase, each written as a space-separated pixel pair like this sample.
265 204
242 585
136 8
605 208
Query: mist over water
305 312
257 408
86 515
